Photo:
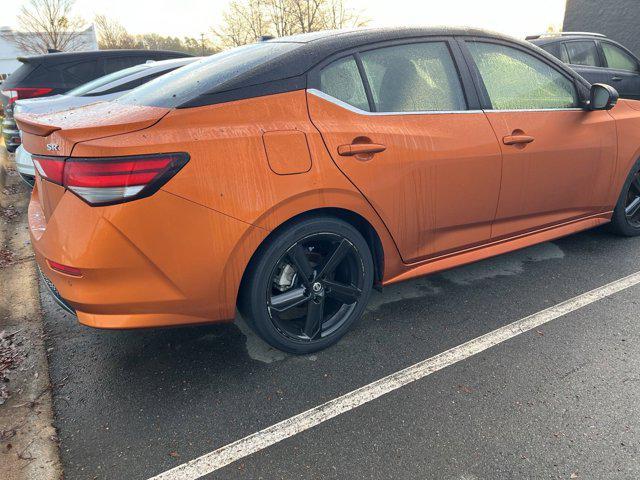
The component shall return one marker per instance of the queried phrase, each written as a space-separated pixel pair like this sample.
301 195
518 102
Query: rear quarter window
82 71
113 64
23 72
341 79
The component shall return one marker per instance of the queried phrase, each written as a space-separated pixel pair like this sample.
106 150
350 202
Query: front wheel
308 286
626 215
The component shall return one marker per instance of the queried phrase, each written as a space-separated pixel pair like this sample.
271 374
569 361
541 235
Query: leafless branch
47 24
245 21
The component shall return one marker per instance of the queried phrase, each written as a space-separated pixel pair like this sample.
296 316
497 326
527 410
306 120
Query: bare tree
337 15
280 17
47 25
245 21
111 34
309 14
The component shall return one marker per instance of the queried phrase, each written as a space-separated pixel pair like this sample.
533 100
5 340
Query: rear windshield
198 78
102 81
19 75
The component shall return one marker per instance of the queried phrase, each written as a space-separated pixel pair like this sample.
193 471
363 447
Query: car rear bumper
24 162
159 261
54 293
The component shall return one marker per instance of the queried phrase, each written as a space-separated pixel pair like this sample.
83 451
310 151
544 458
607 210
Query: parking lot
302 152
559 401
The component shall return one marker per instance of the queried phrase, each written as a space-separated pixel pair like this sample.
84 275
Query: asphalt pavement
560 401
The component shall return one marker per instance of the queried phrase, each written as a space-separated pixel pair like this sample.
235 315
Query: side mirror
602 97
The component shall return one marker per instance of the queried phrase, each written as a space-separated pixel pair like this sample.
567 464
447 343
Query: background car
55 73
595 57
101 89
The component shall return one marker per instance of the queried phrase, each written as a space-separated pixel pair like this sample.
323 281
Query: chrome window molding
357 110
345 105
567 109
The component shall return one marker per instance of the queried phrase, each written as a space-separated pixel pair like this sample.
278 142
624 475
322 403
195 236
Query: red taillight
51 168
20 93
102 181
66 269
114 173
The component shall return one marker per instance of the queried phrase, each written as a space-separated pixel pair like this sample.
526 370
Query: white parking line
210 462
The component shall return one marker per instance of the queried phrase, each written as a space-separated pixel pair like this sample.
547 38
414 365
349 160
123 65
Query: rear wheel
626 215
309 285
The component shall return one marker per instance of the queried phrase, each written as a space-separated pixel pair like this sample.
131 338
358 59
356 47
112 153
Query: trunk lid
56 134
68 127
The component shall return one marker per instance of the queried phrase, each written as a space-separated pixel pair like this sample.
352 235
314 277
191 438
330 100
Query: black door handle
616 79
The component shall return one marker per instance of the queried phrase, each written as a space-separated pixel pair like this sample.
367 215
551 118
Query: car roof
287 68
349 38
292 66
547 39
317 46
62 57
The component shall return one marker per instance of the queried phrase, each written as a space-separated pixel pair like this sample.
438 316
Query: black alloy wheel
309 286
315 287
626 214
632 203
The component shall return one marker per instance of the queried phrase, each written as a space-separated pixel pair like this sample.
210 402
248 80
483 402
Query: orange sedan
289 177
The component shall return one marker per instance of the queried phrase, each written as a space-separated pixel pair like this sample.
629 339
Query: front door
428 166
558 159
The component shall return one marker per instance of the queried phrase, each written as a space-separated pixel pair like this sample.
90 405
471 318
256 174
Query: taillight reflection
105 181
20 93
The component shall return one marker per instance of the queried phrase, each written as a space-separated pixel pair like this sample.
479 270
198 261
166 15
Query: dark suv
54 73
596 57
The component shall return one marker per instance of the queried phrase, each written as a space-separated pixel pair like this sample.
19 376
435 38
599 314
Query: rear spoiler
23 59
30 126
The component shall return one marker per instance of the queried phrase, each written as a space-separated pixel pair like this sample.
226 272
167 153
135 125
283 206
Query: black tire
626 215
294 291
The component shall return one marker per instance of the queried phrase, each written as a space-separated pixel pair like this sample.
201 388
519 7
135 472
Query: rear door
623 70
397 122
558 158
585 58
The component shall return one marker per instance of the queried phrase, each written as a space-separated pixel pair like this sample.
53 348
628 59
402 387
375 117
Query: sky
193 17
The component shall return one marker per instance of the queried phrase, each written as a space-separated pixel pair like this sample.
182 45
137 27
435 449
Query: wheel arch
346 205
356 220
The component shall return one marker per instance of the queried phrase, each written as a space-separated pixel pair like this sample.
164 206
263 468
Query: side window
618 58
516 80
341 79
113 64
583 53
413 78
82 71
558 50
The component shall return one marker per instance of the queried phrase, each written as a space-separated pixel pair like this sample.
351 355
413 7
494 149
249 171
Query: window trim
365 82
472 102
483 94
